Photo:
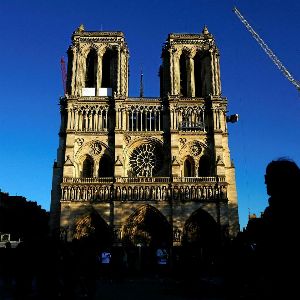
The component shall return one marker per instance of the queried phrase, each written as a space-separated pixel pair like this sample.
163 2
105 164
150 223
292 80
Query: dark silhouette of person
278 250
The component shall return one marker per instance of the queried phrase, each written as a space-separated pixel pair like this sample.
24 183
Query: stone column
99 70
190 77
119 78
171 70
73 69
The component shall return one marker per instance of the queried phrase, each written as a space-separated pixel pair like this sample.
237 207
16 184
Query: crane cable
267 50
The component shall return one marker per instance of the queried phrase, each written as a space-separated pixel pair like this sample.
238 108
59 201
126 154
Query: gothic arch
147 226
198 75
204 168
202 73
91 68
95 149
87 169
91 227
106 166
109 61
201 230
183 75
188 167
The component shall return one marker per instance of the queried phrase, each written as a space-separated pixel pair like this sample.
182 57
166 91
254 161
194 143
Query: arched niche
204 169
189 167
87 167
147 226
91 227
91 69
106 167
183 75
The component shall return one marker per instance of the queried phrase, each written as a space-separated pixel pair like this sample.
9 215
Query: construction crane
269 52
63 73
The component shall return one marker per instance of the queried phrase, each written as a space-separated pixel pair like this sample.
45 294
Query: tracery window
145 160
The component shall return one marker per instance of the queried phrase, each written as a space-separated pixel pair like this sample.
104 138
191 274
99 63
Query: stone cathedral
143 170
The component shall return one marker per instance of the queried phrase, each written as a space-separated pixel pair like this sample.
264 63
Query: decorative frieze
144 191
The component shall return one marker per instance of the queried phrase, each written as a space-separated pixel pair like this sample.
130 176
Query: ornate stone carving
145 160
96 147
79 141
219 161
118 161
127 139
182 141
195 148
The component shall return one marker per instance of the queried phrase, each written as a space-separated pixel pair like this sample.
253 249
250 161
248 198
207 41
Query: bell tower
190 66
97 64
191 85
97 78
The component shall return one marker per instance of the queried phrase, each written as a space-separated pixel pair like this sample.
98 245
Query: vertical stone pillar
99 70
119 78
73 70
176 74
171 70
190 77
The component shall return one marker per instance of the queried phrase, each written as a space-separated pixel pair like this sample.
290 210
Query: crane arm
267 50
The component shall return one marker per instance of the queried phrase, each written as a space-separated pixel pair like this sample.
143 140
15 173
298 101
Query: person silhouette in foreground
278 250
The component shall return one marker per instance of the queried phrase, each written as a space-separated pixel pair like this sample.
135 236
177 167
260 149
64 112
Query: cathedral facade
141 170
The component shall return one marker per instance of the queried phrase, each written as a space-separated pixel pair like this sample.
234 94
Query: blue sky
36 34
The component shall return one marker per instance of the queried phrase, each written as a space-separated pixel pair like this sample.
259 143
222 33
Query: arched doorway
146 231
200 240
90 228
147 226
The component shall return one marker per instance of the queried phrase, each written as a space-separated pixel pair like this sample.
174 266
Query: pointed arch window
198 75
106 168
189 166
202 74
91 69
106 69
87 167
204 167
183 75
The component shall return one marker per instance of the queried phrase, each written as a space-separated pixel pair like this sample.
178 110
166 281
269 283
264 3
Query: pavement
139 288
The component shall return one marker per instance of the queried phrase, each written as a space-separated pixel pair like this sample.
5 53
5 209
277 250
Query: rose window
145 160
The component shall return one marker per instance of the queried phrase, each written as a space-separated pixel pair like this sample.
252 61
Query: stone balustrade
144 189
88 180
199 179
143 179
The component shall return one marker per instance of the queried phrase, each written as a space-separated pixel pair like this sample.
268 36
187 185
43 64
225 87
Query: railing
199 179
142 189
142 179
88 180
191 126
